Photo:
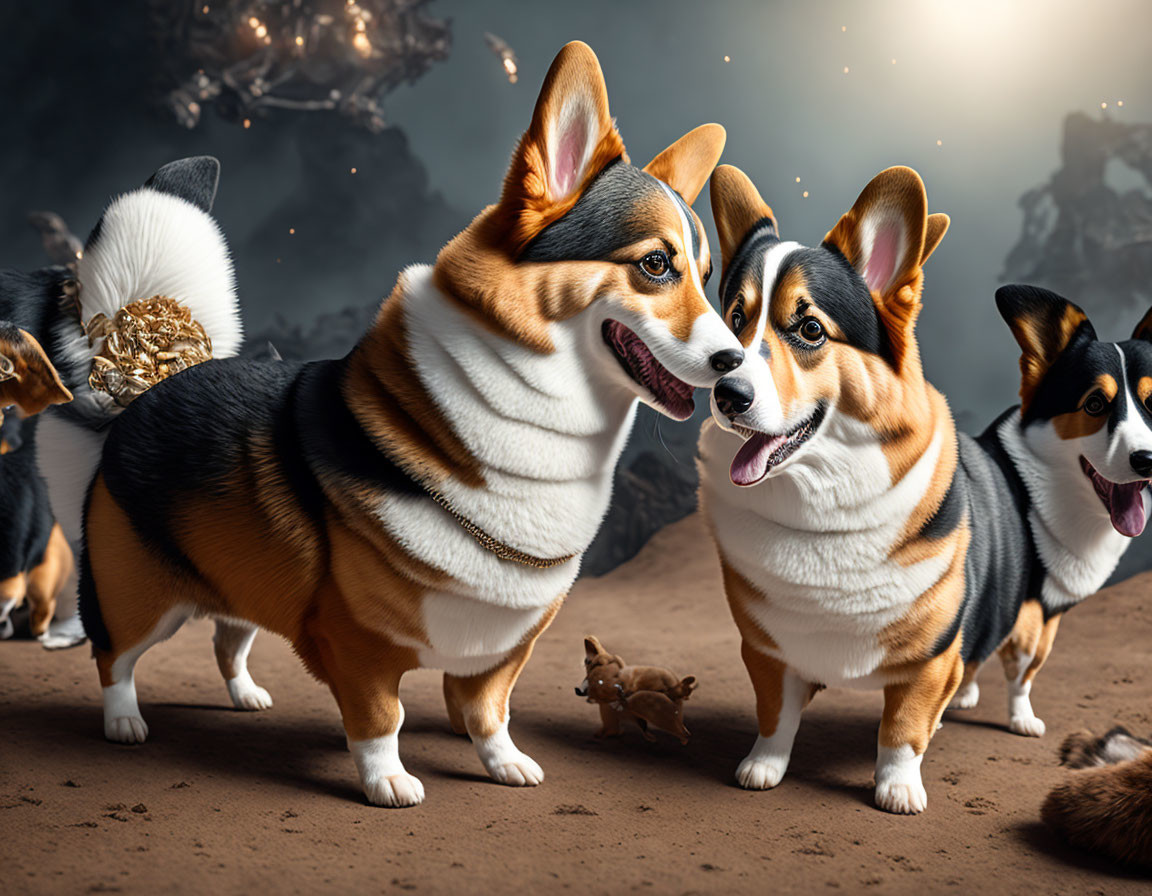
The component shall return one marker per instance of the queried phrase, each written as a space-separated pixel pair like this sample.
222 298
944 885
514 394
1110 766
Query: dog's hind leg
47 579
12 593
968 694
122 720
132 595
1022 655
233 640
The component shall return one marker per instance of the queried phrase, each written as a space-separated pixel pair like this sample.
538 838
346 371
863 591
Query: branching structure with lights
247 57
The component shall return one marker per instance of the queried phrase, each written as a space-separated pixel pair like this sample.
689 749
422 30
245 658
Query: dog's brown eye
1096 404
655 264
812 330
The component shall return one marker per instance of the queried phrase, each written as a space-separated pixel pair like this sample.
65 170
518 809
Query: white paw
126 730
1027 726
967 697
63 633
761 773
7 629
396 791
903 797
519 770
248 695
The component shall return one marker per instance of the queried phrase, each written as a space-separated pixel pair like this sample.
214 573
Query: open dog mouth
671 393
1125 503
762 452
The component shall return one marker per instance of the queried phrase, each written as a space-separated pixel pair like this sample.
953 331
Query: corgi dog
425 500
648 695
864 543
35 560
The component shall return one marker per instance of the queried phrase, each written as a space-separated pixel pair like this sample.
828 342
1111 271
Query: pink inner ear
569 155
881 265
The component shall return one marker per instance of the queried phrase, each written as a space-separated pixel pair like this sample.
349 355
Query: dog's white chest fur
815 539
547 435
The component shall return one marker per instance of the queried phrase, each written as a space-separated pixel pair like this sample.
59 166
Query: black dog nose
1142 463
733 396
727 360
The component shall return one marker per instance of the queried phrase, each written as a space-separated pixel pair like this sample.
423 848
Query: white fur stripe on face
1131 435
686 235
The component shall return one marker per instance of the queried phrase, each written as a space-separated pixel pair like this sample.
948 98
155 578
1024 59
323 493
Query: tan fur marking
1031 640
47 578
1041 342
912 637
394 408
741 593
35 384
480 702
913 708
687 163
135 588
736 207
1144 391
1079 423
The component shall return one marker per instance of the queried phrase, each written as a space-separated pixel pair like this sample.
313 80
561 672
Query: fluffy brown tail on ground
1105 806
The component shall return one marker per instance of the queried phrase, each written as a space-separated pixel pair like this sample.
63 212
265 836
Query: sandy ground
230 802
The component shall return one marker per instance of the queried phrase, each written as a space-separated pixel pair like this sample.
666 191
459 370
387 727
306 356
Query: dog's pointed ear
193 180
1044 325
1144 328
886 236
572 138
689 683
934 230
27 378
592 646
737 209
686 165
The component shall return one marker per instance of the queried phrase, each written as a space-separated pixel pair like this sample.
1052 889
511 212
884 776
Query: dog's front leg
482 702
912 711
609 720
781 696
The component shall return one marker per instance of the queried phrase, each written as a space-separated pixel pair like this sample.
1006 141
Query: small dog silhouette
650 696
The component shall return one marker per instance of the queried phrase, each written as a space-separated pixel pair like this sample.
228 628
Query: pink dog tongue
1126 506
750 464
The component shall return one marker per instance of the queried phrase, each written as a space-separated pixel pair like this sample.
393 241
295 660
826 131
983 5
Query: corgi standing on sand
424 501
864 543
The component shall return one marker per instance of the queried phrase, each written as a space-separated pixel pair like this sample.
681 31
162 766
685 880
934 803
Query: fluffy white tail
160 239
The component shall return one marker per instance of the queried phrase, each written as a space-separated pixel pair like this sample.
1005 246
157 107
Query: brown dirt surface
227 802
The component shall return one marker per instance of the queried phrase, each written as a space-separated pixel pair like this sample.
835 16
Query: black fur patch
841 293
747 261
609 216
193 179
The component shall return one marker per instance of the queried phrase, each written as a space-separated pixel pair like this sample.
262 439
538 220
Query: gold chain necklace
491 543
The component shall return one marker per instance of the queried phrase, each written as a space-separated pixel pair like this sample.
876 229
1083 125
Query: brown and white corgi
425 500
35 561
863 542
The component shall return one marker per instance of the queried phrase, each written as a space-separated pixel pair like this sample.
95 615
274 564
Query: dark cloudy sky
990 79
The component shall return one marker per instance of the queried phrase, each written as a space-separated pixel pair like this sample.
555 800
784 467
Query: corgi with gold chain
425 500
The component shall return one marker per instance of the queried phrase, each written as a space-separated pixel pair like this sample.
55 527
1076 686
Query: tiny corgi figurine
35 560
652 697
864 542
1106 807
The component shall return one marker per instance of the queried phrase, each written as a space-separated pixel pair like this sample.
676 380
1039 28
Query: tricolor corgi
35 561
425 500
865 543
